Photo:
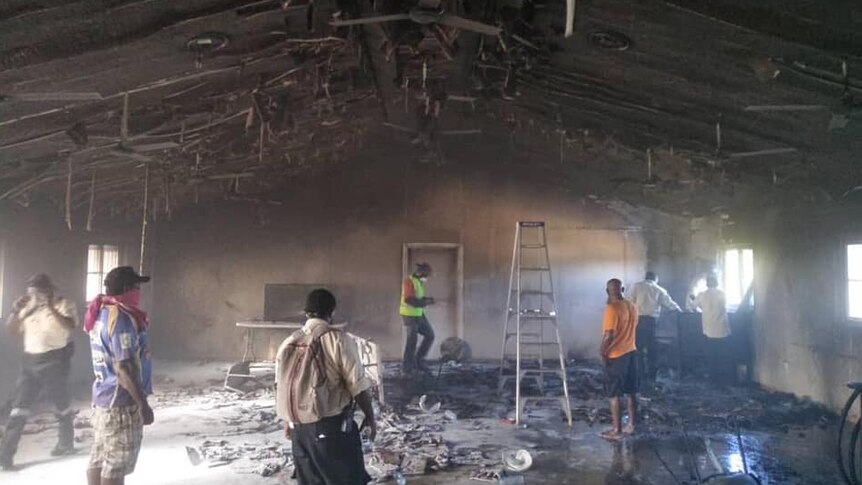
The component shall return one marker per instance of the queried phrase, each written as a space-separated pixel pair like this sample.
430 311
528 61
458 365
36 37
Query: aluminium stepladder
530 310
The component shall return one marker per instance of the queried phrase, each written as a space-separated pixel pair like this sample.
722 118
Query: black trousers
324 453
417 326
621 375
48 374
647 348
720 361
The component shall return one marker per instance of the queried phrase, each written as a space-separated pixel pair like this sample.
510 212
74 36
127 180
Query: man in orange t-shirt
619 355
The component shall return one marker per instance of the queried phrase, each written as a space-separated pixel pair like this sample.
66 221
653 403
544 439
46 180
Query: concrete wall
803 341
37 241
347 228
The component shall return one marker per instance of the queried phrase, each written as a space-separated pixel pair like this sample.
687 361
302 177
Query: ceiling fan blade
152 147
787 107
466 24
759 153
458 97
460 132
400 128
133 156
370 20
57 96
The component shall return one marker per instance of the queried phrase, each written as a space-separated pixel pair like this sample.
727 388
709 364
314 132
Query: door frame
459 275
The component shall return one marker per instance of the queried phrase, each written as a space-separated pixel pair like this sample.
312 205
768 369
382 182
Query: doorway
446 286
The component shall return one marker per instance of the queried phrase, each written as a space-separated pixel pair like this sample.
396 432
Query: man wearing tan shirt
319 378
46 322
619 355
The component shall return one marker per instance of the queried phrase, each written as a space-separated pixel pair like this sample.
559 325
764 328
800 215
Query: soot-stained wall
347 228
804 342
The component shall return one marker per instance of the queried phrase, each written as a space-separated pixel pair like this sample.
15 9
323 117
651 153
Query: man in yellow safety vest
413 303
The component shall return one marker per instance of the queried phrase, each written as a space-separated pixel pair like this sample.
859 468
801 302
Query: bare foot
611 435
629 429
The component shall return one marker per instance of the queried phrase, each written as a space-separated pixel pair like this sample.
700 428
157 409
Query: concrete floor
190 409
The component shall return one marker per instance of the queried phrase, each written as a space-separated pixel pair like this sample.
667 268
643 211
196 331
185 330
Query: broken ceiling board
189 108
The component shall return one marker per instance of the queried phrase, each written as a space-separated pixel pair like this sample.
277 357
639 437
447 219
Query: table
368 353
251 325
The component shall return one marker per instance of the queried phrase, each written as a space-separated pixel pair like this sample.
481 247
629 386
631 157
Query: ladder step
543 398
530 373
531 312
536 342
528 364
533 246
535 268
538 316
528 359
535 292
524 334
531 223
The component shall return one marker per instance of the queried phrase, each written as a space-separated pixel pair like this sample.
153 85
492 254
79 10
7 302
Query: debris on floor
517 461
464 428
409 443
266 458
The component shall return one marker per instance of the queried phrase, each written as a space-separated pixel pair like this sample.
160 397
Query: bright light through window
100 260
854 281
738 275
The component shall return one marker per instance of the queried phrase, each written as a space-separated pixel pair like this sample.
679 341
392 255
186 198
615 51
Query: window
854 281
737 274
100 260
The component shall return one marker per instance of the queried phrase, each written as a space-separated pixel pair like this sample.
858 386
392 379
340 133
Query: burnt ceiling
671 103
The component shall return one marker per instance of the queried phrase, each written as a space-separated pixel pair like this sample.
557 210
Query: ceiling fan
426 12
126 145
848 109
51 96
426 136
426 132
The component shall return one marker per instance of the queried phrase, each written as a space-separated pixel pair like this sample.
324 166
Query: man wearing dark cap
46 322
412 310
319 380
121 363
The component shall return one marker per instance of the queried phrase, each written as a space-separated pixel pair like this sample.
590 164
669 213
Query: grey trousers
417 326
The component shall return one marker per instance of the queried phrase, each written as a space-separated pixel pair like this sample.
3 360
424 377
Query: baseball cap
122 276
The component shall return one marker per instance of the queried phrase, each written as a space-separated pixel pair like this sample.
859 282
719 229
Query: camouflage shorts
117 434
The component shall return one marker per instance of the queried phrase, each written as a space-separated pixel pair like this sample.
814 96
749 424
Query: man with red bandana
121 364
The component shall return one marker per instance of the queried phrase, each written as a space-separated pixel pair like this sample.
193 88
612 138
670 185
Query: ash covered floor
688 429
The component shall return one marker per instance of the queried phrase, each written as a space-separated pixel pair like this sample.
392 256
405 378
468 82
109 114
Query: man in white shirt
319 380
716 326
46 322
649 298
